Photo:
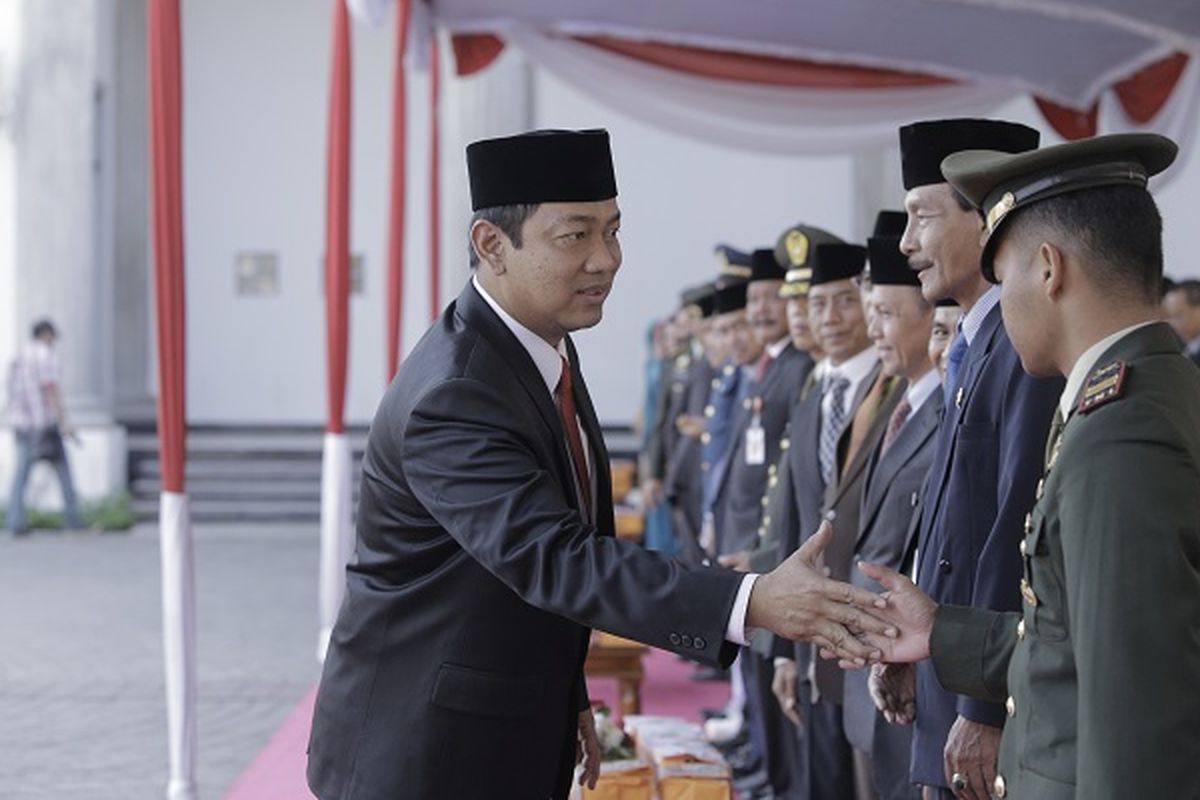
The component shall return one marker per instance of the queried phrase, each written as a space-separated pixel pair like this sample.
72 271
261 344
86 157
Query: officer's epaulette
1103 385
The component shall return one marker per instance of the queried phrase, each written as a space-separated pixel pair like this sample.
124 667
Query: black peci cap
889 267
890 223
730 297
837 262
547 166
923 145
764 267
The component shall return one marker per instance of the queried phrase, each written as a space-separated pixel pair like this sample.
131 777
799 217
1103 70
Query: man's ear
1050 264
490 245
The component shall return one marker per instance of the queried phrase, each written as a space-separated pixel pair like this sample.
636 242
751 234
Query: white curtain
758 118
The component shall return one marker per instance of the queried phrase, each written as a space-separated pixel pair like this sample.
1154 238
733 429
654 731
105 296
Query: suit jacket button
1021 630
686 640
912 501
674 639
831 515
699 643
944 566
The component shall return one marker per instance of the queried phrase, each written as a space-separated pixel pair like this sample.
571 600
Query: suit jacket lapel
915 435
973 366
476 313
595 434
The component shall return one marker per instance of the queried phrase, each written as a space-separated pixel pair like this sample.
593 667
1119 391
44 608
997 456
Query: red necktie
895 424
763 364
566 412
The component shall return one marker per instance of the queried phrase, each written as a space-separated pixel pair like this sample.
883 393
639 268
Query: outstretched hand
909 609
796 601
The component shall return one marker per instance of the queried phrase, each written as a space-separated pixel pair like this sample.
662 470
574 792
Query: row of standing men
810 384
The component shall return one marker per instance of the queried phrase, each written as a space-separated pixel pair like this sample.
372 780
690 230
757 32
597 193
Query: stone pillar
62 130
132 329
495 102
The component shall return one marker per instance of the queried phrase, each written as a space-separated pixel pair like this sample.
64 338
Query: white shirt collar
547 359
921 391
972 321
855 368
775 349
1085 363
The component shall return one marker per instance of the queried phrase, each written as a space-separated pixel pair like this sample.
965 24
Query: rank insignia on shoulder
1103 385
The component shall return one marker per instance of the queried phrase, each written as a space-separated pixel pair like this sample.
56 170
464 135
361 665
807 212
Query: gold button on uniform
1010 706
1028 593
1028 524
958 398
999 787
1041 488
709 411
1021 631
706 437
765 501
772 482
785 444
1024 549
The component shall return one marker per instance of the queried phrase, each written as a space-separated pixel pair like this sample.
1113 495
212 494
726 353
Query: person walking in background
39 423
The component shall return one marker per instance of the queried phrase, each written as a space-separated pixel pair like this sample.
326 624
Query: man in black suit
989 453
901 323
485 532
1181 308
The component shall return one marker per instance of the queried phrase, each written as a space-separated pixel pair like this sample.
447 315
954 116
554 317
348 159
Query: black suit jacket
455 666
981 485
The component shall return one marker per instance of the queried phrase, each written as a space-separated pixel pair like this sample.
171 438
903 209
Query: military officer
988 455
1097 671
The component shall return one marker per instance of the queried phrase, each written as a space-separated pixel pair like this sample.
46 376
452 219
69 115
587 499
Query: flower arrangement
615 744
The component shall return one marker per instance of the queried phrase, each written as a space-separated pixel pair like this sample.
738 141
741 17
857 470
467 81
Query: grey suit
890 498
739 509
684 480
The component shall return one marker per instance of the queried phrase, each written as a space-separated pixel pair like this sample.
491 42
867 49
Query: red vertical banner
396 211
167 220
435 182
337 220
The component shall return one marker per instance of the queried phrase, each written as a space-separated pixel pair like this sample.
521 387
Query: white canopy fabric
1066 52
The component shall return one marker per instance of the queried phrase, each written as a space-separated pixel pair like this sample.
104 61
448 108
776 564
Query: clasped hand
797 601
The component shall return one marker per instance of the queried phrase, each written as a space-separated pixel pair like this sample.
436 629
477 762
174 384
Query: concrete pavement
82 708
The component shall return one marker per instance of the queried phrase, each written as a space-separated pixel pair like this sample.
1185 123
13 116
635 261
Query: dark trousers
782 741
830 760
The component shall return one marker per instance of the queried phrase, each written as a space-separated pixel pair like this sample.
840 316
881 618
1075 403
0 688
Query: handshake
857 627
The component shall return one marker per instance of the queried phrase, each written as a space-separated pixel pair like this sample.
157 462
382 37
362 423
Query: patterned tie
954 360
566 412
899 417
831 429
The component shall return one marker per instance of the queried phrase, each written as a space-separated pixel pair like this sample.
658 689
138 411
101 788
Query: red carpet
277 773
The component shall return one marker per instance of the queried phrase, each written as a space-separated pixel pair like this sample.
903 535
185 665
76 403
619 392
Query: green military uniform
1099 669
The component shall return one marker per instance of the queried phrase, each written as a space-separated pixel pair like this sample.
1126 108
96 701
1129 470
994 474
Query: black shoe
710 674
752 783
744 760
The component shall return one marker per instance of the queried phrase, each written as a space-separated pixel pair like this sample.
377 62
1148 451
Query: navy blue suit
985 470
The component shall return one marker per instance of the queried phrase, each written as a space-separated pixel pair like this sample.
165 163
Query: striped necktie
831 427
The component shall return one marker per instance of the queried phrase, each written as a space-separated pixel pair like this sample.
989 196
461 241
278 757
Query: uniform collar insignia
1103 385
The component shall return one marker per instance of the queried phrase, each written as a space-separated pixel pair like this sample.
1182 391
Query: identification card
756 444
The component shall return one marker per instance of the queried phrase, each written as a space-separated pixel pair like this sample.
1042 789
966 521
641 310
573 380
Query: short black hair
1117 231
1190 289
43 327
509 219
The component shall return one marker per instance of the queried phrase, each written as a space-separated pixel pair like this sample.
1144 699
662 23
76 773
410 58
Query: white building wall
256 83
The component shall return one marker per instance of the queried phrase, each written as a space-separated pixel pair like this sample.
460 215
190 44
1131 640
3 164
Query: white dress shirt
919 392
972 321
548 360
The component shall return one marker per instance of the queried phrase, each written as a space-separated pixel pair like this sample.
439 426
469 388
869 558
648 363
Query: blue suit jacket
985 470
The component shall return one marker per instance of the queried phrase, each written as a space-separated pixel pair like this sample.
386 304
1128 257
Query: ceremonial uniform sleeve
1130 532
472 466
1025 423
970 649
